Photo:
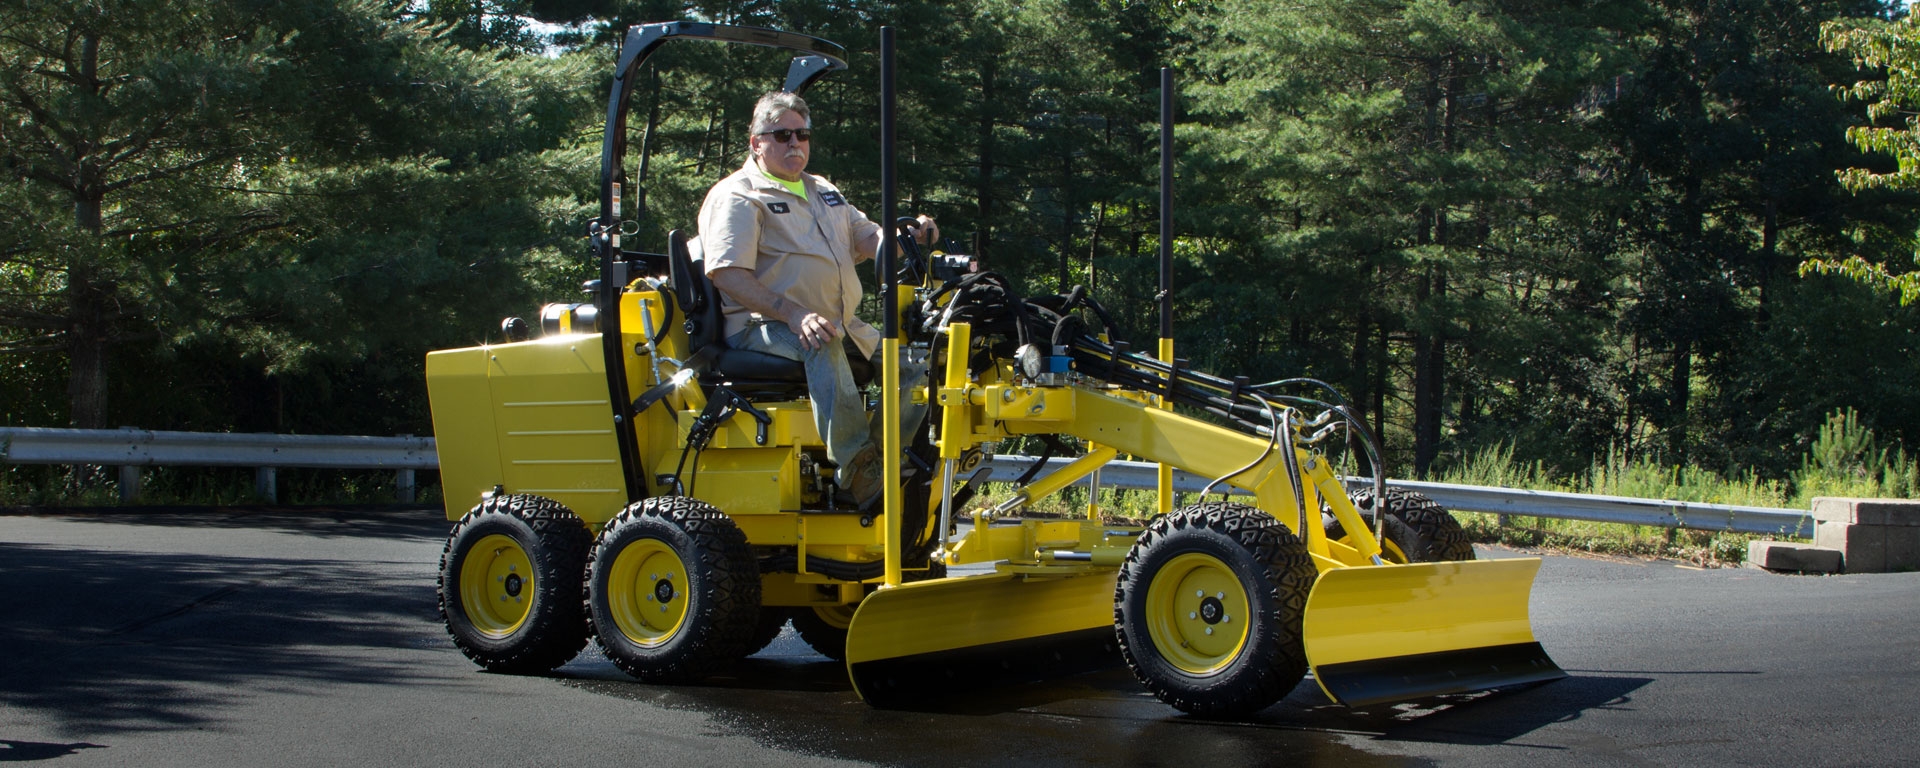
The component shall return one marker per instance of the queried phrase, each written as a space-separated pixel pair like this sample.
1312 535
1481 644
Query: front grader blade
916 641
1384 633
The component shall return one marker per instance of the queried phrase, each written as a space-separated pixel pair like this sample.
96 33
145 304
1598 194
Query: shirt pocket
833 223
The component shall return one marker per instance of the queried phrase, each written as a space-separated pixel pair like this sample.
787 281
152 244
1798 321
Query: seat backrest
698 299
681 272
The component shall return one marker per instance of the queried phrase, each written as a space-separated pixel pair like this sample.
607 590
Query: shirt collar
760 179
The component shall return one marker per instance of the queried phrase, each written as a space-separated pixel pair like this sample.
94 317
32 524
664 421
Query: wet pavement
264 637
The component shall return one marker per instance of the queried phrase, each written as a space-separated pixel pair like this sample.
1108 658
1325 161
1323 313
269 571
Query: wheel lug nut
1199 593
1209 630
1219 595
1192 615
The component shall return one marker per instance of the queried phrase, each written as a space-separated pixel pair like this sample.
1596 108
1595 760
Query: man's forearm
740 285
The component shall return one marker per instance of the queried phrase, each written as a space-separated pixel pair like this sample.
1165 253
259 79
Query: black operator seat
752 373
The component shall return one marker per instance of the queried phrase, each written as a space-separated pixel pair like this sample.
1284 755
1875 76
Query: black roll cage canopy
817 58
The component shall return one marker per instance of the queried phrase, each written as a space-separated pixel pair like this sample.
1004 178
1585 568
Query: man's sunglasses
785 135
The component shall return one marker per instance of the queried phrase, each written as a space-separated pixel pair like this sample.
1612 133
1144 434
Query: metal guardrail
146 448
1500 501
130 449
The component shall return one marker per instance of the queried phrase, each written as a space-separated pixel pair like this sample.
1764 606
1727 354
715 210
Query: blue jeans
839 406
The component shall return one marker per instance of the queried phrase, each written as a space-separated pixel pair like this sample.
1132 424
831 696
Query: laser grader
625 476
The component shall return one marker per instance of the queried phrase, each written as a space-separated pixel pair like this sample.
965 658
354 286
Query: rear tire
1208 609
510 584
673 591
1419 526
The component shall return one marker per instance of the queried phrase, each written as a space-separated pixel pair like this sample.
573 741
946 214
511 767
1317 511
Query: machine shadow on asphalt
123 641
794 700
23 751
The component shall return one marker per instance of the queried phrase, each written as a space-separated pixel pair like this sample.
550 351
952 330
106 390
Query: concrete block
1789 556
1863 548
1902 548
1903 512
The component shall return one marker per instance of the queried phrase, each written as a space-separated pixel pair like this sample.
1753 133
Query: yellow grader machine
625 476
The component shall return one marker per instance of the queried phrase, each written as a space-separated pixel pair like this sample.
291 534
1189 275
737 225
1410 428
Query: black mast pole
889 309
1166 202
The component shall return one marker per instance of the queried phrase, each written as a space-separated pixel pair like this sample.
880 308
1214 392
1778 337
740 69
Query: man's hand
928 233
814 331
925 232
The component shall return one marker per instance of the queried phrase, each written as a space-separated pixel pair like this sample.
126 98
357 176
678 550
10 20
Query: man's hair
770 107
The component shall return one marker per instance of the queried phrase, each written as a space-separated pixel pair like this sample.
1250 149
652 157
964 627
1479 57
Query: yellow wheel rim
496 585
1391 553
647 592
1197 614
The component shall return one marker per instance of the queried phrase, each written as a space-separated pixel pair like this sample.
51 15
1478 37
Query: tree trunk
1363 331
1382 360
88 294
1065 276
87 305
983 190
1429 379
1769 252
1679 391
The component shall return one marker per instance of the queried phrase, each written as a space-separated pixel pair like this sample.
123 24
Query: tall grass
61 486
1845 459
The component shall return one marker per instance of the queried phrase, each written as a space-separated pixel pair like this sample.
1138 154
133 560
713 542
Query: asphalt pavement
240 637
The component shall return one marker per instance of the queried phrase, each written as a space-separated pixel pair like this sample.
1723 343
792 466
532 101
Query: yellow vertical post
954 424
1093 486
1166 470
890 450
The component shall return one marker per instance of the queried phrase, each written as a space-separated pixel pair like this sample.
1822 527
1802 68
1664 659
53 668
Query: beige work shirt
800 249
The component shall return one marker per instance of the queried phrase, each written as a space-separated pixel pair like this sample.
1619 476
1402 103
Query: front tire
510 584
673 591
1208 609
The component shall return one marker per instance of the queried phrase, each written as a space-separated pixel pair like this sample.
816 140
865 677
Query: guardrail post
129 480
129 484
264 487
403 487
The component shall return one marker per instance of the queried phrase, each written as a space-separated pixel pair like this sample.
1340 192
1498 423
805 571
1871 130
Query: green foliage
1889 47
289 189
1540 245
1846 459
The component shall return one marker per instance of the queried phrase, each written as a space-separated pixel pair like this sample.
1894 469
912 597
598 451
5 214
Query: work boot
863 477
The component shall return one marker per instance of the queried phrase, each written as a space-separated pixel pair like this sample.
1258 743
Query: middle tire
1421 529
824 627
1208 609
673 590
